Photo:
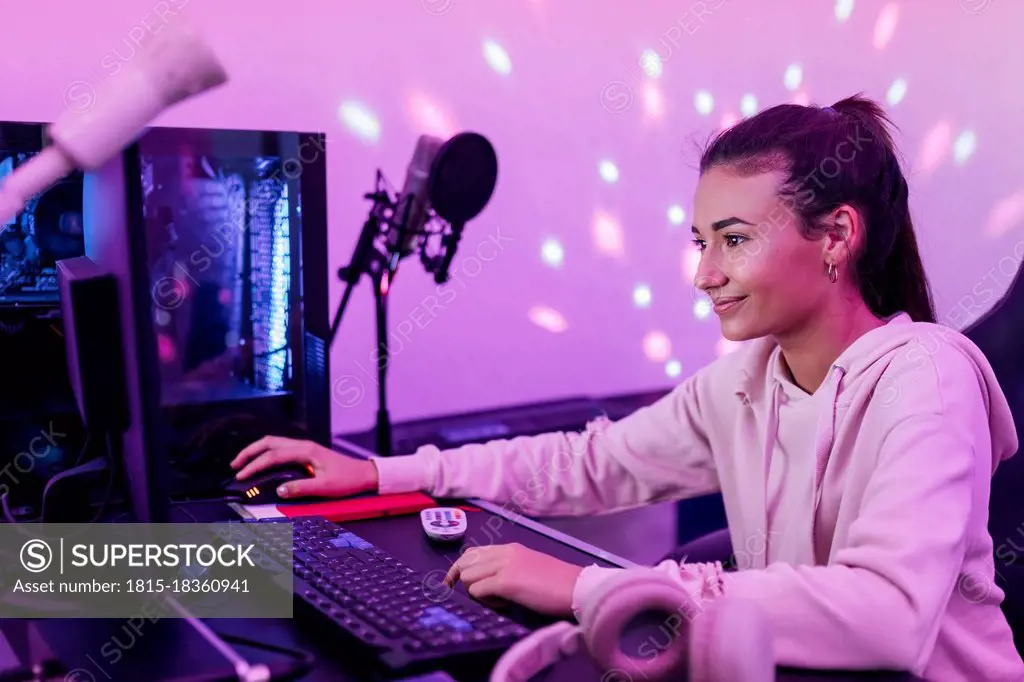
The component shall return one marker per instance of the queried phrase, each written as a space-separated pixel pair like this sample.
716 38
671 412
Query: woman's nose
709 275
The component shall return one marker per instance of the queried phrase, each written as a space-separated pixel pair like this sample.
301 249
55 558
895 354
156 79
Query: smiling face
763 276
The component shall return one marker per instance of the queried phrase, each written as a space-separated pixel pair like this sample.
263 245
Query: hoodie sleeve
904 553
659 452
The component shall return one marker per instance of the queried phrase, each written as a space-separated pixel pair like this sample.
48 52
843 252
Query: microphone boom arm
366 257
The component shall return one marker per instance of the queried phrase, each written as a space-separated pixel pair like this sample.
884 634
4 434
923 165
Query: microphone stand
368 260
365 258
381 267
381 286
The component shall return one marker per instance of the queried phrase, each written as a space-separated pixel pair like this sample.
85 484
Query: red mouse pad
362 507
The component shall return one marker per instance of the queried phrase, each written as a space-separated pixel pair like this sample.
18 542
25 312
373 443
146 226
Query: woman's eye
734 239
699 243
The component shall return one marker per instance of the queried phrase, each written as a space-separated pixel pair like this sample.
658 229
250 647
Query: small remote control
445 524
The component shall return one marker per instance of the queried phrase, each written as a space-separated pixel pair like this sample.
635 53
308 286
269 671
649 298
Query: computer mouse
261 487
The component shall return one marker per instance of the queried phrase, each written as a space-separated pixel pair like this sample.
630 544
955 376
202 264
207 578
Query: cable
90 467
303 661
94 466
85 448
111 474
9 515
268 353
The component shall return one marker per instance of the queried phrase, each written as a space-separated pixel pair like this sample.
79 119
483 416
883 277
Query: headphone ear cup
531 655
621 600
731 641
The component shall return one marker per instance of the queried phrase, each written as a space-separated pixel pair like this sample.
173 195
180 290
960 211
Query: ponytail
901 284
890 273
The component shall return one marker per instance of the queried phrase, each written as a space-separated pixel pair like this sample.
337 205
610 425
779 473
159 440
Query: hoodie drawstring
823 437
770 437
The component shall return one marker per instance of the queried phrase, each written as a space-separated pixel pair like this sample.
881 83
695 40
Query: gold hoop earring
833 273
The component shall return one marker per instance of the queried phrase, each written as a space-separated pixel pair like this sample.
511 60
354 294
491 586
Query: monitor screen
47 230
220 217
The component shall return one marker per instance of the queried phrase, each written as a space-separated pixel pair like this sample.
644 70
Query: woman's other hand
518 574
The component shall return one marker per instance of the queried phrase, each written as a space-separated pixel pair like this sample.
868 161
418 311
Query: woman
853 440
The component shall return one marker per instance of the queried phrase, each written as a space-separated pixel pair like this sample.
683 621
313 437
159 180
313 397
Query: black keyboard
386 608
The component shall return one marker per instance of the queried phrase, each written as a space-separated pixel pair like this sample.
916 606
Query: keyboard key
392 631
462 626
509 631
421 633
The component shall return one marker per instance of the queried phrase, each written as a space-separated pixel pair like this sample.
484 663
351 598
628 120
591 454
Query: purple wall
565 87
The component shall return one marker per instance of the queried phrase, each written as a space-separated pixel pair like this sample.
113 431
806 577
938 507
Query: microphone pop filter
462 177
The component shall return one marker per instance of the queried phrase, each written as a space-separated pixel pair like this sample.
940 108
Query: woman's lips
726 304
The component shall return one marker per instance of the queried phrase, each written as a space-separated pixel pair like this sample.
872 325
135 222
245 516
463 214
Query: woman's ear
844 236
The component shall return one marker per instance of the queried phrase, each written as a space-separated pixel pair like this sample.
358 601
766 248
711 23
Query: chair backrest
998 335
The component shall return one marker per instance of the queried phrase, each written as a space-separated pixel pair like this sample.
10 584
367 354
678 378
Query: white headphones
723 640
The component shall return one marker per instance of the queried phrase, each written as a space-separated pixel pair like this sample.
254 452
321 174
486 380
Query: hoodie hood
882 357
898 347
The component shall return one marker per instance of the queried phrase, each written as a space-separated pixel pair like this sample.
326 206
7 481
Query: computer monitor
90 312
115 243
50 228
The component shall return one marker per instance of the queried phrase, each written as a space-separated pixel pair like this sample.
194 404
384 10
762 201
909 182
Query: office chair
997 335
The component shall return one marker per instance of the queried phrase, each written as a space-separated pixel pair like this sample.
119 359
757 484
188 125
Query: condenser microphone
462 180
413 206
176 64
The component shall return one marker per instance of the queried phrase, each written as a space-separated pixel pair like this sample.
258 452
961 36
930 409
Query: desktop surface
403 537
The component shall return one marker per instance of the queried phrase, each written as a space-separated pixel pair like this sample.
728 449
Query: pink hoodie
874 554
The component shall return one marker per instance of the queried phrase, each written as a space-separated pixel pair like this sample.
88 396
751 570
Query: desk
170 653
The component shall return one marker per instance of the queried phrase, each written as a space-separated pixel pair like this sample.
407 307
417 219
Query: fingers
455 572
474 562
275 458
488 589
477 571
254 449
481 578
307 487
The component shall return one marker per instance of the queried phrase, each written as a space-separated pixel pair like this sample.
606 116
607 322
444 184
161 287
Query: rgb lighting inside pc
219 247
47 230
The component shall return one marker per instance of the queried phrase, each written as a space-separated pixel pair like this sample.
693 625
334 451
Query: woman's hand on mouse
334 474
